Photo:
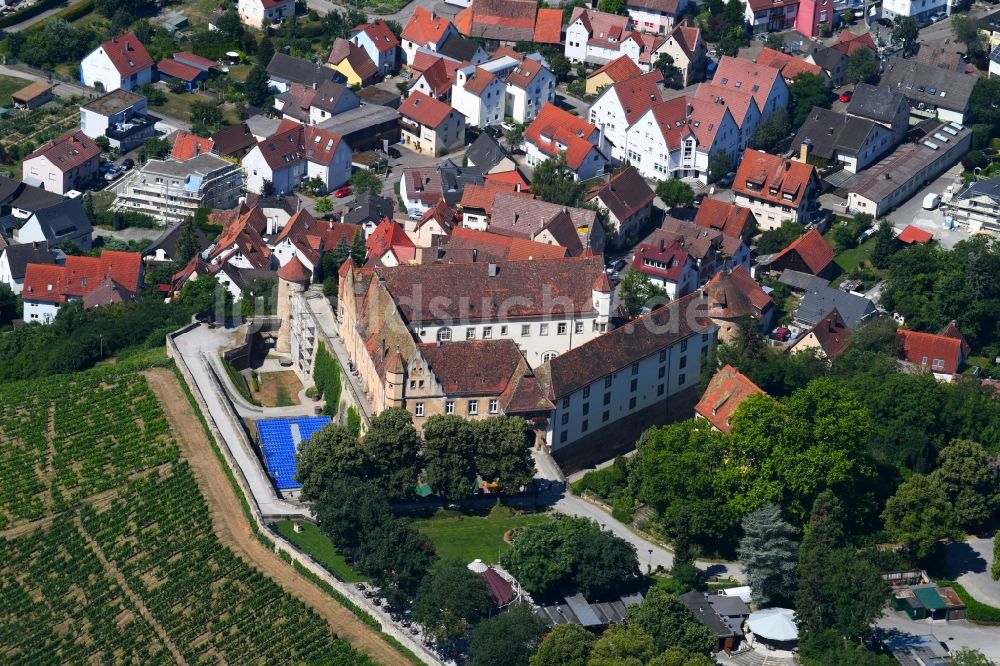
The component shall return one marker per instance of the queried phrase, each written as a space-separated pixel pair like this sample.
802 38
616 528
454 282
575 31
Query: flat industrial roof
113 102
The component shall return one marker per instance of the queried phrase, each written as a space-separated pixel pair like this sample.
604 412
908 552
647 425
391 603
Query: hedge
326 374
975 611
70 13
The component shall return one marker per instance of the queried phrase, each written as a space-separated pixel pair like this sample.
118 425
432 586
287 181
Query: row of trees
392 456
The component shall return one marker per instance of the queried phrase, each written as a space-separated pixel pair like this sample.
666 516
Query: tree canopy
451 600
665 618
566 645
553 181
806 91
769 554
675 193
508 639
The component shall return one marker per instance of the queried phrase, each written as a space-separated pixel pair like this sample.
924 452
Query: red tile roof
734 294
425 110
380 33
812 249
681 116
425 27
666 263
738 74
638 95
912 234
178 70
832 334
737 101
356 57
725 392
501 248
295 271
480 197
68 152
390 236
293 141
790 179
436 77
620 69
194 60
524 73
937 353
127 54
187 145
730 219
548 26
81 276
847 42
553 125
951 331
478 81
789 66
742 278
603 29
513 177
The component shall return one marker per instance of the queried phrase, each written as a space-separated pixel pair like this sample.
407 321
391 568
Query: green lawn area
239 72
8 86
848 260
973 361
470 537
198 11
312 541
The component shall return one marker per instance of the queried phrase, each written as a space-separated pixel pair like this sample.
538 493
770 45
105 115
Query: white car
507 127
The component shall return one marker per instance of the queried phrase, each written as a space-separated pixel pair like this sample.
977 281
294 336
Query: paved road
651 555
956 635
969 564
193 346
324 7
27 23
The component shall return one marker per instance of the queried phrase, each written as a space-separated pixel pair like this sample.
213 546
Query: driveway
912 211
968 563
956 635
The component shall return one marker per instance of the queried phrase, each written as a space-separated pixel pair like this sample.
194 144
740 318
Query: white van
931 201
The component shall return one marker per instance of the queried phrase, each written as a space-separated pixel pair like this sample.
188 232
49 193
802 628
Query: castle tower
293 278
603 295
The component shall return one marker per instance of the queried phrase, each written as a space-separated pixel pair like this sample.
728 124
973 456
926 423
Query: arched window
548 356
444 334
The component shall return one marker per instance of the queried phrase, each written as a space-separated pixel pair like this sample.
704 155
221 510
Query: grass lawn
8 86
848 260
239 72
198 11
312 541
974 361
470 537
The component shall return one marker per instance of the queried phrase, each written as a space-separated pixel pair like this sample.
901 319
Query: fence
280 544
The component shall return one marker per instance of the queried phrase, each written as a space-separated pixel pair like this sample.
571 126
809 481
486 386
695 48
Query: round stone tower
293 278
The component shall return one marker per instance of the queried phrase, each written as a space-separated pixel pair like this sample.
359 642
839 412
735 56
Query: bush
327 377
605 484
974 159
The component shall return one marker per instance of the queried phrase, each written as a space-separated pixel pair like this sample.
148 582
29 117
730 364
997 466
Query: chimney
804 151
663 245
475 254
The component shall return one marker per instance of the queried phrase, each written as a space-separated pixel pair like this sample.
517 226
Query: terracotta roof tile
425 27
473 367
937 353
637 95
478 80
82 275
738 74
812 249
620 69
425 110
178 70
480 197
380 33
553 125
69 151
764 172
666 262
789 66
468 245
730 219
548 26
389 236
127 54
524 73
832 334
725 392
187 145
912 234
295 271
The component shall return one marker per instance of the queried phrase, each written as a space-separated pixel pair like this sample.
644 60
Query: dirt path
232 529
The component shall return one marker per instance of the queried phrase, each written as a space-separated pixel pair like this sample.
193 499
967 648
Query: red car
342 192
846 97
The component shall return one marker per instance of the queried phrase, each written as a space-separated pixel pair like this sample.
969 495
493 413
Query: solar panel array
279 444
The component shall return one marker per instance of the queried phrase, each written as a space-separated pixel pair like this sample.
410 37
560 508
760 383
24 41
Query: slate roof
369 207
983 188
458 47
623 346
625 194
18 194
725 392
916 81
829 131
21 254
168 241
233 139
815 305
297 70
875 103
801 281
329 95
486 152
64 220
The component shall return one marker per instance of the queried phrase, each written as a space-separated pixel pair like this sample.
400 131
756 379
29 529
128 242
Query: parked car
698 198
846 96
103 168
940 16
931 201
128 164
507 127
342 192
395 154
112 173
727 180
782 333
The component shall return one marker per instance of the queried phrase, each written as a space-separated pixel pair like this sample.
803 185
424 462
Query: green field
472 537
109 554
315 543
848 260
8 86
